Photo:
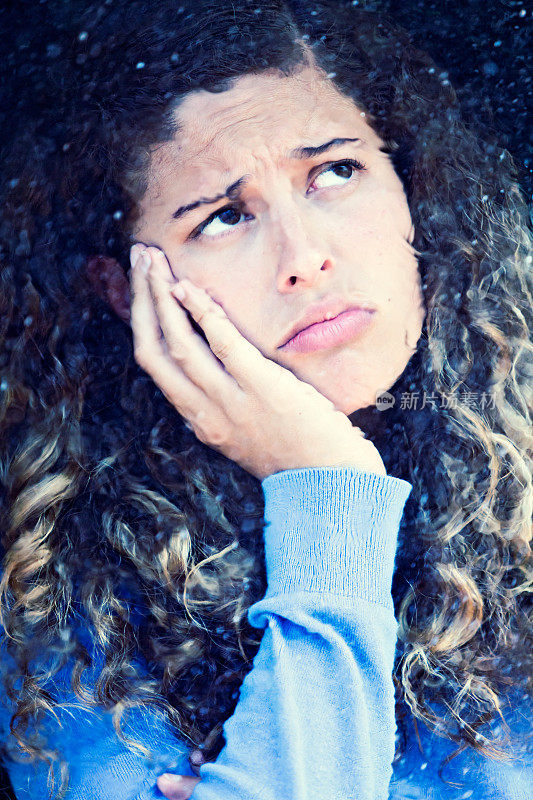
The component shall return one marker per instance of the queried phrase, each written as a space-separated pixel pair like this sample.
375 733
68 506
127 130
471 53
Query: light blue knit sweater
315 718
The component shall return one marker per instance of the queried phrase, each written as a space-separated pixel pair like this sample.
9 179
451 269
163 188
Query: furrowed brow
312 152
233 191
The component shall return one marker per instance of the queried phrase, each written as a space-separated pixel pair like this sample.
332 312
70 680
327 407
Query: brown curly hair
114 513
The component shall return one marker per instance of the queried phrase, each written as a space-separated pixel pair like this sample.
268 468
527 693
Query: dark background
485 46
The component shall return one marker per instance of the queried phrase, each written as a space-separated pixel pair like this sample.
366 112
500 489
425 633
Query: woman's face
299 231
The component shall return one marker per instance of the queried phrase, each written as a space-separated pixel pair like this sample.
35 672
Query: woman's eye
220 222
338 174
223 220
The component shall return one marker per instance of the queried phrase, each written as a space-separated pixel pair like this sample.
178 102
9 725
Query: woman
132 528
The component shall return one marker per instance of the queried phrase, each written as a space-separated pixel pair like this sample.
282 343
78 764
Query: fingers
151 352
143 316
176 787
185 346
248 366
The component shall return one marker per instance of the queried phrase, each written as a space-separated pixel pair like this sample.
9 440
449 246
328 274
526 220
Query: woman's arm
316 712
315 716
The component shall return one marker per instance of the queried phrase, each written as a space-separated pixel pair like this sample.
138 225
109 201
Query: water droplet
490 68
53 50
140 65
82 37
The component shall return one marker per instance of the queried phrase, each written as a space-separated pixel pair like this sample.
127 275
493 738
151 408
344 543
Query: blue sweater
315 718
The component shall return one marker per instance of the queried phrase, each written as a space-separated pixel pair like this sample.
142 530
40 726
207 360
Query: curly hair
113 512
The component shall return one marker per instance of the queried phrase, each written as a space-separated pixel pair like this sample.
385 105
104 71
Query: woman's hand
237 401
180 787
176 787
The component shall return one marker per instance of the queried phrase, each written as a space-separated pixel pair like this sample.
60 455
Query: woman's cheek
187 262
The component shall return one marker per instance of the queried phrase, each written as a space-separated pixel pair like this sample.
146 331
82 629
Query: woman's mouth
345 326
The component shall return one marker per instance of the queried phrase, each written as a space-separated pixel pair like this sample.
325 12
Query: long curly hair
114 514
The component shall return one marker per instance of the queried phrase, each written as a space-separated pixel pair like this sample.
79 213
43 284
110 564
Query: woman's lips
345 326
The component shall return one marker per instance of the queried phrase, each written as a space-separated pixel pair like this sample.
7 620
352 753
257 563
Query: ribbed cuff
332 529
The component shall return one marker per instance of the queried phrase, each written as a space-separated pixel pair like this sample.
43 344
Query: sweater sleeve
315 717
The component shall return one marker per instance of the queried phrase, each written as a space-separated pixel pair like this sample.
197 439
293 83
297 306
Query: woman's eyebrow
233 191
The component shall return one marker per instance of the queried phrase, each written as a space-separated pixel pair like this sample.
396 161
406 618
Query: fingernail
168 778
145 261
135 251
179 292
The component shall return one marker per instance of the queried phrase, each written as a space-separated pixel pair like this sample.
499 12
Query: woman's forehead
261 114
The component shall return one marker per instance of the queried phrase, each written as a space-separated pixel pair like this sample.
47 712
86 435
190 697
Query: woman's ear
110 283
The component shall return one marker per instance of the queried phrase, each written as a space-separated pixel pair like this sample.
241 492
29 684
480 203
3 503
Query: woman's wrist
332 529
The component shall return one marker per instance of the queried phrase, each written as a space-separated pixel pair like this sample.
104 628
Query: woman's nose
302 251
